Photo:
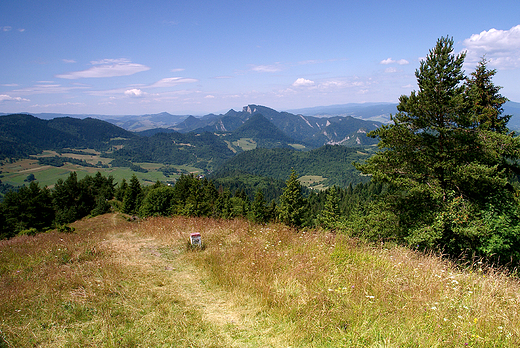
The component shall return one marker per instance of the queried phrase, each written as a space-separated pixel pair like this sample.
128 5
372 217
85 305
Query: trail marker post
195 239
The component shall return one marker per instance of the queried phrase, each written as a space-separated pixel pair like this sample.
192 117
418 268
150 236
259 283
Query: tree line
32 208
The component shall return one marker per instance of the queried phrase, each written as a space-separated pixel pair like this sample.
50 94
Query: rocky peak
250 109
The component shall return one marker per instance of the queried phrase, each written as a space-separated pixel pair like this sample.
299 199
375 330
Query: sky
198 57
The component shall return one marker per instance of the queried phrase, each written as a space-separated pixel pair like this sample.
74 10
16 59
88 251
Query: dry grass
119 284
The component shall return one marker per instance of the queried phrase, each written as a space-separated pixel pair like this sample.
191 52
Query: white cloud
177 70
57 104
209 96
332 84
500 47
301 82
107 68
9 85
135 93
267 68
48 88
68 61
390 70
6 28
5 97
172 81
391 61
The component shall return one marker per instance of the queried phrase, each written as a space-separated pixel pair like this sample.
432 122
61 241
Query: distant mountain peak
250 109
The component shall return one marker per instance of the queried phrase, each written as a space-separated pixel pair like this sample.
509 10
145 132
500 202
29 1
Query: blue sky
197 57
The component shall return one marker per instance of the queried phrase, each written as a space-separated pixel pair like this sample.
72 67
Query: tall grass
331 290
80 290
106 286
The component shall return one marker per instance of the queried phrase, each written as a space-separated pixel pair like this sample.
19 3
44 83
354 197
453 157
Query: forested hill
264 133
22 135
206 150
332 163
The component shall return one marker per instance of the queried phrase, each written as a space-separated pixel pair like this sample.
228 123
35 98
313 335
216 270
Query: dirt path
238 323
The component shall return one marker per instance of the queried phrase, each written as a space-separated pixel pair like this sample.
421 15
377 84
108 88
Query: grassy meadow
116 283
16 173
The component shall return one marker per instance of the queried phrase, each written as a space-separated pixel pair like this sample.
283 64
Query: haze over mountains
379 112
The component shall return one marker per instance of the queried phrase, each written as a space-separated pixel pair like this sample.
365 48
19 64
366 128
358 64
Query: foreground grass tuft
114 283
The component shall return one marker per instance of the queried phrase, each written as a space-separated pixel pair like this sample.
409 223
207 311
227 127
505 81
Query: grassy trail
233 325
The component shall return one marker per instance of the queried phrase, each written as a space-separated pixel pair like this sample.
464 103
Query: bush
28 232
65 229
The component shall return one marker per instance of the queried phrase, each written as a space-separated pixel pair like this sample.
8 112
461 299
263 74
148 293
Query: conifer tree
292 204
29 207
485 100
445 159
330 214
259 208
120 190
133 196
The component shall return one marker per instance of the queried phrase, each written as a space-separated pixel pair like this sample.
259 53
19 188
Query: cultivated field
16 173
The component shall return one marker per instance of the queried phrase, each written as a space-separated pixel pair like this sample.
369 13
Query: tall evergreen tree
444 159
292 203
259 209
329 216
485 100
72 200
133 196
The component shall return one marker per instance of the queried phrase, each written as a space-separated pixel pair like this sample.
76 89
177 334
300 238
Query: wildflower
434 308
475 320
367 296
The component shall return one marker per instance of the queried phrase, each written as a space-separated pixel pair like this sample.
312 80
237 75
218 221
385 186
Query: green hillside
23 135
333 163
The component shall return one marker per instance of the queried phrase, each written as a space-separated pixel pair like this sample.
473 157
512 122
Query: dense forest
332 162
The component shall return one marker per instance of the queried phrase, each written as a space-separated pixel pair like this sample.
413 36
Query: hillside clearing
115 283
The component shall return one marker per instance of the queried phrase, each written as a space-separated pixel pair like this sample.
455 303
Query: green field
16 173
313 181
245 144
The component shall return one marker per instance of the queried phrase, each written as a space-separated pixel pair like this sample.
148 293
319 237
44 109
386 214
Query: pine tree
485 100
292 204
133 197
29 207
259 208
330 214
446 157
